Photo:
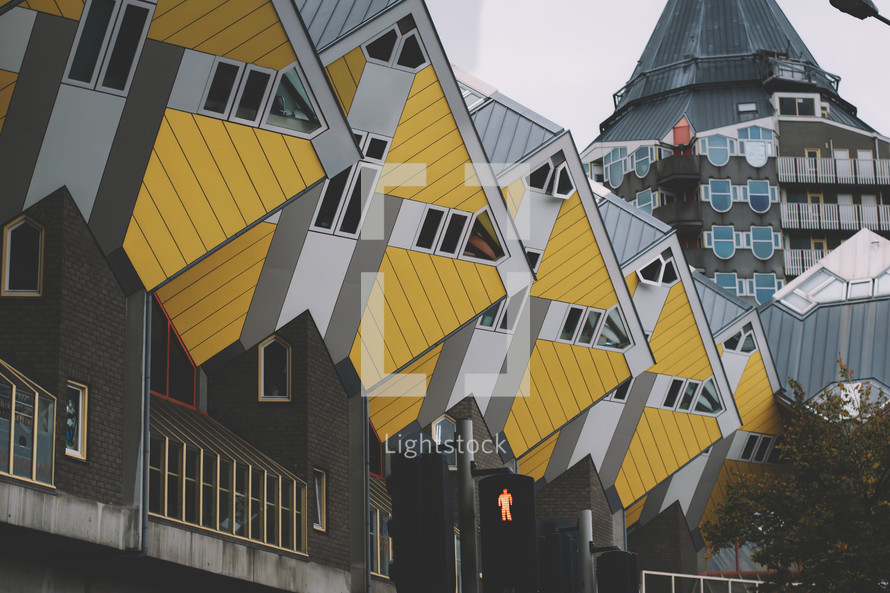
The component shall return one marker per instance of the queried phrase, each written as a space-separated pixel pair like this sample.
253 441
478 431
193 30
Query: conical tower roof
704 54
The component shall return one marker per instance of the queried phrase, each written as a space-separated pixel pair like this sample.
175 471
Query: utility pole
466 504
585 533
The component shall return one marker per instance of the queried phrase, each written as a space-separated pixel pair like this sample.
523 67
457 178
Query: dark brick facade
578 489
310 431
664 543
74 331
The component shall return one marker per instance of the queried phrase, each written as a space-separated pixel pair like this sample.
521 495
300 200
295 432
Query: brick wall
577 489
310 431
664 544
74 331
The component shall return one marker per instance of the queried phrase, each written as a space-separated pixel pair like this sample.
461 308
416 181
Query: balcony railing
794 169
798 260
851 217
667 582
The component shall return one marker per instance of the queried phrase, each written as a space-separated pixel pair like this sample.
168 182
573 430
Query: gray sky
566 58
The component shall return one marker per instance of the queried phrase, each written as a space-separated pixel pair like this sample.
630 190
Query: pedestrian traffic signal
422 525
509 541
616 572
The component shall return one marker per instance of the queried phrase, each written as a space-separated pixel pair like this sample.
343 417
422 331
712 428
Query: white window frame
463 234
664 262
540 253
262 112
437 437
501 315
439 230
354 178
697 394
261 396
743 334
320 492
234 92
560 169
602 324
401 38
365 143
83 395
466 235
270 98
577 327
107 46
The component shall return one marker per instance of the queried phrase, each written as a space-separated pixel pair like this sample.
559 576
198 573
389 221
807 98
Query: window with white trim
764 241
275 370
22 258
757 192
502 316
661 271
742 341
108 44
454 233
647 200
717 148
614 162
345 200
766 284
724 240
641 160
687 395
398 47
620 393
534 258
797 106
613 333
553 178
756 144
760 448
319 509
76 420
444 432
374 146
727 281
719 192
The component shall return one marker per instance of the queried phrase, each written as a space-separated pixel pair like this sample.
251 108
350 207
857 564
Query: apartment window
757 449
722 241
659 272
373 146
541 177
444 432
570 324
445 232
76 420
619 394
801 106
381 544
274 370
765 286
685 395
172 369
27 421
319 510
291 108
108 43
613 166
647 200
642 160
742 341
763 241
22 258
759 195
483 242
718 149
613 333
756 144
398 47
345 201
534 258
590 327
502 315
727 281
564 185
719 193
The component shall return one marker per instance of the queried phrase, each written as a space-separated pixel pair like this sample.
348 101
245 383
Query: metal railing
793 169
836 216
668 582
798 260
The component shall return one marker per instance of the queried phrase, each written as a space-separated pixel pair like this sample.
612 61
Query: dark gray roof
631 231
722 308
510 131
807 348
329 20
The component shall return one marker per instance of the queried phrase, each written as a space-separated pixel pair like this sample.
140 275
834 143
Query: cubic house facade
730 132
247 245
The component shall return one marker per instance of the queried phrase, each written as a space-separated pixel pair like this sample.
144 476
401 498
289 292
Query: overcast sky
566 58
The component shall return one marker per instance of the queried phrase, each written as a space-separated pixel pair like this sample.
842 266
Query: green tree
821 520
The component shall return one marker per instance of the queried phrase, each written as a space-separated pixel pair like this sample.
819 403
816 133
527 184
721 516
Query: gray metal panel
627 426
31 107
346 317
133 143
278 269
707 481
329 20
15 31
446 374
654 500
509 132
721 308
631 231
564 449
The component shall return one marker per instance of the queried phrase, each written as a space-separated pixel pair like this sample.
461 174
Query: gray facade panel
627 425
706 483
329 20
133 143
446 374
31 107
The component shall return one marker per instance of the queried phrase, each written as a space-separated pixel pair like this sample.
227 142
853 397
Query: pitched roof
329 20
631 231
721 307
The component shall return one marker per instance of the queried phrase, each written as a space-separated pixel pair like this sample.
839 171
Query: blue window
646 201
726 281
642 160
723 241
613 165
762 242
764 287
719 191
759 195
718 149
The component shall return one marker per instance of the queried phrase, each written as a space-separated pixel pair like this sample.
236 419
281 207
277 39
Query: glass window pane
276 381
330 203
411 55
721 194
571 323
208 491
287 515
455 229
23 437
23 259
89 45
430 228
372 522
806 107
241 502
291 107
221 87
272 510
749 447
688 394
787 106
129 35
225 495
489 316
358 199
45 416
382 47
5 411
641 164
174 475
483 240
257 502
589 328
708 401
718 150
192 484
613 333
564 185
673 392
254 90
72 419
540 176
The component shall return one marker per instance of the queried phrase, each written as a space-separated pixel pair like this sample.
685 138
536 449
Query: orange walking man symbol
505 500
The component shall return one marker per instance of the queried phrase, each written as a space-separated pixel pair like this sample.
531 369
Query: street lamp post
861 9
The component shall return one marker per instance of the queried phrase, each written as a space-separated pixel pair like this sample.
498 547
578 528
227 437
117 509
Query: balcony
834 171
799 260
679 171
852 217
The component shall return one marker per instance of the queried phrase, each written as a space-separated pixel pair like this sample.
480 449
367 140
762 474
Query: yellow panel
7 85
622 487
687 430
70 9
261 49
304 156
755 400
652 448
141 256
174 217
632 515
677 325
283 165
388 407
345 74
412 314
535 463
663 439
572 268
208 304
513 195
632 281
171 15
161 242
427 134
251 152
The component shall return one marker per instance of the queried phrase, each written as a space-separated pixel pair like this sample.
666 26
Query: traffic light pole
466 504
585 533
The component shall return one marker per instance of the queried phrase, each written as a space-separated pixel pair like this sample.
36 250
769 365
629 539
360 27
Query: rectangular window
75 420
108 43
274 374
22 258
345 201
172 370
801 106
219 95
319 516
570 324
252 94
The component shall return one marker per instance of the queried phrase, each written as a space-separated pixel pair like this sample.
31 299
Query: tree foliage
822 520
